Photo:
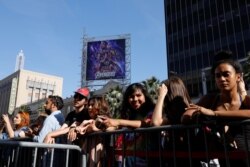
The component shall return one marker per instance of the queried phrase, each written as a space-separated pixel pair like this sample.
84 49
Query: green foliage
25 108
151 85
114 99
40 109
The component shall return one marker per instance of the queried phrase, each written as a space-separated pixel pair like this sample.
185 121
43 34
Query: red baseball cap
83 91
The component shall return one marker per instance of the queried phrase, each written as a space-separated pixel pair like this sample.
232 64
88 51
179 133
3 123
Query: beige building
24 87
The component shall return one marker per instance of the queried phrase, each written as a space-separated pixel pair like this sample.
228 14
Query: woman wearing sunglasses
231 103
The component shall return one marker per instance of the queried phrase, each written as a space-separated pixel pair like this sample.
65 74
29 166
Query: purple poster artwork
106 59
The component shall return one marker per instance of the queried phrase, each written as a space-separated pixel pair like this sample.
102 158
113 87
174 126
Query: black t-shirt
79 117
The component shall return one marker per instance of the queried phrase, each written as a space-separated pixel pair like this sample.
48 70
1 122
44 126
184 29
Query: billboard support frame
96 84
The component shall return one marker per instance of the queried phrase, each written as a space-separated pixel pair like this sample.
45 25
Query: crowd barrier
176 146
32 154
166 146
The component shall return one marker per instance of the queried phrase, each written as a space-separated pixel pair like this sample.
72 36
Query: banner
106 59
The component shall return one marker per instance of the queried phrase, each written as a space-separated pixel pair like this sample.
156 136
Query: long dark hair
127 112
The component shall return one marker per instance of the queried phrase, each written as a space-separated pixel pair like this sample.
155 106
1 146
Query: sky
50 34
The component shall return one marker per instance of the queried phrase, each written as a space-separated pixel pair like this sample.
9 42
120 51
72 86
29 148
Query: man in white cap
74 118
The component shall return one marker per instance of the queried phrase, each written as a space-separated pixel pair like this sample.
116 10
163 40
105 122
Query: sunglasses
225 74
78 96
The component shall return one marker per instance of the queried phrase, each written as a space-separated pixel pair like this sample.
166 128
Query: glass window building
196 30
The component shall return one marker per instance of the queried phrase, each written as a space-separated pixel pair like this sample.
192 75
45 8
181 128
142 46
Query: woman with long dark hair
136 112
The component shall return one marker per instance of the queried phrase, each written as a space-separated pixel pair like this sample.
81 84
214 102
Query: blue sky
50 34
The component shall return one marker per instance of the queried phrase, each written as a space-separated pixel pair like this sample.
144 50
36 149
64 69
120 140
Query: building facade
196 30
24 87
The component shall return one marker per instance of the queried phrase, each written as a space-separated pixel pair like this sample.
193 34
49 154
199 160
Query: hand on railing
81 129
109 122
48 139
72 134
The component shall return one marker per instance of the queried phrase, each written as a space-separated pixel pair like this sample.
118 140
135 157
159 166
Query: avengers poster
105 59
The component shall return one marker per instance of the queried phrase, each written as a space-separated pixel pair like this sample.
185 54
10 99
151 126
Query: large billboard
106 59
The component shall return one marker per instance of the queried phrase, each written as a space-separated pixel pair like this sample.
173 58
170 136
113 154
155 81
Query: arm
233 114
72 134
63 130
187 116
242 113
8 126
109 122
157 118
49 138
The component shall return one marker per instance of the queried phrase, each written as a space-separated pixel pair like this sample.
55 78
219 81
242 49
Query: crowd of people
173 107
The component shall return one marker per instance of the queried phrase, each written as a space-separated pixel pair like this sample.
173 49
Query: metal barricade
204 144
172 145
32 154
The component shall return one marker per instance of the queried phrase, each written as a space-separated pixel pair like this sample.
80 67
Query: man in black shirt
74 118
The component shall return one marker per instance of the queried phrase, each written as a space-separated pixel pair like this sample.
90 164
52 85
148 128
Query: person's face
48 105
226 77
17 119
92 110
136 99
79 100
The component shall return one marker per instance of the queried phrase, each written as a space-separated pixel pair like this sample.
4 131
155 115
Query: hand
72 135
109 122
190 110
195 108
5 118
48 139
29 133
82 129
92 128
86 122
162 90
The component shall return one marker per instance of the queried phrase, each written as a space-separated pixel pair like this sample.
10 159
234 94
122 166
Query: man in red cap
74 118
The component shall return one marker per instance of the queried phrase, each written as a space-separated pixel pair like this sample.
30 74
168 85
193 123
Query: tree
151 85
25 108
41 109
114 99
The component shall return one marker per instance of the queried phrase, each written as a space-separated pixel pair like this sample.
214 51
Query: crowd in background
173 106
